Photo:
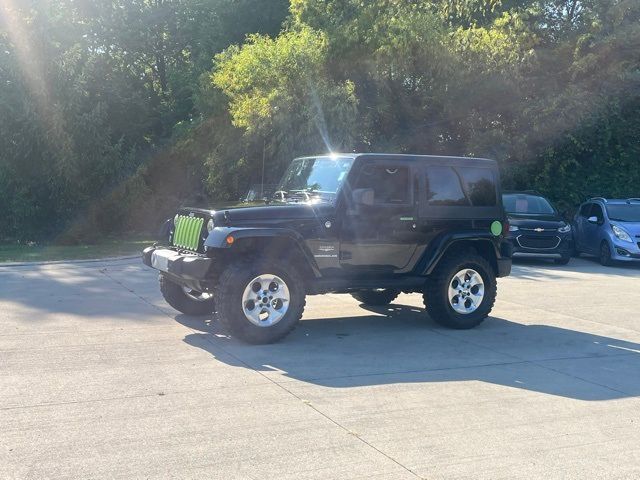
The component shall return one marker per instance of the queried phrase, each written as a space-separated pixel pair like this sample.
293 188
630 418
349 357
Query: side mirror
362 196
592 219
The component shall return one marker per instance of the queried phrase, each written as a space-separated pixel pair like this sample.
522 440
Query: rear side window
480 185
453 187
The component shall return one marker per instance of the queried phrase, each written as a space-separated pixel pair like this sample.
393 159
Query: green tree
93 90
545 87
281 94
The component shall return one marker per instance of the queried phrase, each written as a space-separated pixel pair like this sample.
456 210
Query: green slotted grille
187 232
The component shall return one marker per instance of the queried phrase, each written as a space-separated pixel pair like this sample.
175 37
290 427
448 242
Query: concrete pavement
99 378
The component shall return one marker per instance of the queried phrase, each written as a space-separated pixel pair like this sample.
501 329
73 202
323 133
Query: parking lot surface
99 378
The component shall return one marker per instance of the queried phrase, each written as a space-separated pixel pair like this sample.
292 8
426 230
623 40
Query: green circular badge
496 228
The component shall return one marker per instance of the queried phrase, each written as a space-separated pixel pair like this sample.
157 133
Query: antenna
264 147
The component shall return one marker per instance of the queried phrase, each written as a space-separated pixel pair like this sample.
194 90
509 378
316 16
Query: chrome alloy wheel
466 291
196 295
266 300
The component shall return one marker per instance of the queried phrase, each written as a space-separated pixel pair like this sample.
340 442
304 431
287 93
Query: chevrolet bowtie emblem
539 229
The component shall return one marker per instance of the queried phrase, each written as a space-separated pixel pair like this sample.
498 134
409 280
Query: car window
585 210
320 174
390 184
444 188
524 203
624 213
480 185
596 211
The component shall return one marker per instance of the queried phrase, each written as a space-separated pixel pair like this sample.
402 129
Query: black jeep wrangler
371 225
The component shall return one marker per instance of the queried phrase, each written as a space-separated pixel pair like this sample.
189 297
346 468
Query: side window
480 185
443 187
597 212
390 184
585 210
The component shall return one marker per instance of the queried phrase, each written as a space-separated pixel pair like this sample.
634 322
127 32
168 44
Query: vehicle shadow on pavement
400 344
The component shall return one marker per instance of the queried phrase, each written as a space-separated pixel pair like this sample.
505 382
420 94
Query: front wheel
186 300
605 255
564 260
377 297
461 292
260 303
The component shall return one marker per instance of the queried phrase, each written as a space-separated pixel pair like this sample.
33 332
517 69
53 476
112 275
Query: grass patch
45 253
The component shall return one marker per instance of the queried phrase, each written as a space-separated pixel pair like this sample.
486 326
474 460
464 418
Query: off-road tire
605 255
564 260
435 295
178 299
228 296
378 297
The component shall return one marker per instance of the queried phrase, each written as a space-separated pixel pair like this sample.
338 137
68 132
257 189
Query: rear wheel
186 300
461 292
260 303
376 297
605 255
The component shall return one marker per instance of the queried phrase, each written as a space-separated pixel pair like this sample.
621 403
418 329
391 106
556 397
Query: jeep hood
259 212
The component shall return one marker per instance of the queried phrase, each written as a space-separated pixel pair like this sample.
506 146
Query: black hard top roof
404 156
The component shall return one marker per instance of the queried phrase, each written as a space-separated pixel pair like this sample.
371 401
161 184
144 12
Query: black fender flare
217 239
433 256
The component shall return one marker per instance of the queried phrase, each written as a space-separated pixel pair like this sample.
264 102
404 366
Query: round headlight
210 225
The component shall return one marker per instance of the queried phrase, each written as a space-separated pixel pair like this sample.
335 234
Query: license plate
160 259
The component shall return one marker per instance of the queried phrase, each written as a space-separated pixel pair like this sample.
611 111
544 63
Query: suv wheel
461 292
605 255
377 297
186 300
564 260
260 304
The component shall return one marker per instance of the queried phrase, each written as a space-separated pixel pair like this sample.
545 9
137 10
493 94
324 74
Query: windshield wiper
623 220
528 213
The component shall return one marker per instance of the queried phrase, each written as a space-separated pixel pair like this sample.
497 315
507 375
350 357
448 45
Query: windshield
258 192
624 213
318 177
522 203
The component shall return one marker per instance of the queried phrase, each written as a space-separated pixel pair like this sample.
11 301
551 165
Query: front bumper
188 267
625 251
563 248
